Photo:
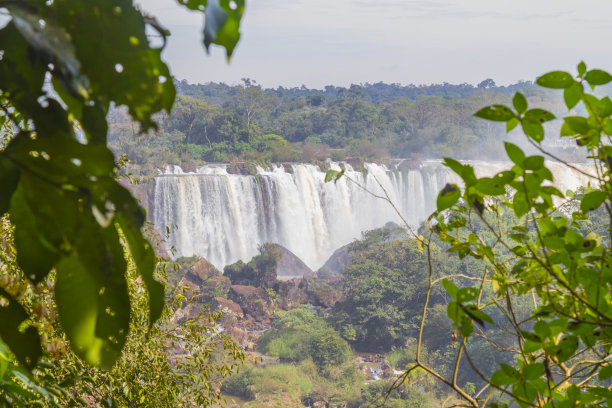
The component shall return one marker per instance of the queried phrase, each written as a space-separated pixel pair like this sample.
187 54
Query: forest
371 122
501 297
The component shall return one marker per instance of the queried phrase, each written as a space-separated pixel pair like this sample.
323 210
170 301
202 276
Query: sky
340 42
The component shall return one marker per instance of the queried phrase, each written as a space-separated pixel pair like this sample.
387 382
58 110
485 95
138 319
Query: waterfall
225 217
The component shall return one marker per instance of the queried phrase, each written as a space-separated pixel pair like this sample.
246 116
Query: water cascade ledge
225 217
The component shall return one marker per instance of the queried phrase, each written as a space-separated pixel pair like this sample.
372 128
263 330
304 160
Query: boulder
252 300
201 271
289 265
338 261
290 294
229 308
320 292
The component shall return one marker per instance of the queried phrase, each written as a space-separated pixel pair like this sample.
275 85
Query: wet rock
201 271
290 294
229 308
320 292
338 261
289 265
252 300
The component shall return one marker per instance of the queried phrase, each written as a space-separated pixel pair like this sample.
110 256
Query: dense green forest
220 123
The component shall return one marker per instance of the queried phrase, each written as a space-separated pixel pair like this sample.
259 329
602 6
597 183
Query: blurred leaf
448 197
222 24
573 95
497 113
519 102
592 200
514 153
597 77
25 344
450 287
555 80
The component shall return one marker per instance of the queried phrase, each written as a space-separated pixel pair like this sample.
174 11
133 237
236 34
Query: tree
548 273
58 77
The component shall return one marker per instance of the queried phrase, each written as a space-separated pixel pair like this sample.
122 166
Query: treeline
220 123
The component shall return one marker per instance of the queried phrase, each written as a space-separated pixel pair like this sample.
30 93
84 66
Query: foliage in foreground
179 361
559 259
58 77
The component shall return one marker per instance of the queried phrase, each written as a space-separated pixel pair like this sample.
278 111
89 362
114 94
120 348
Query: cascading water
225 217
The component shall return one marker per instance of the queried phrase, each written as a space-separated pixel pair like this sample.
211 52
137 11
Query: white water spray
225 217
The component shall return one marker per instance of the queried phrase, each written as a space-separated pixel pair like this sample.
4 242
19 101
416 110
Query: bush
301 334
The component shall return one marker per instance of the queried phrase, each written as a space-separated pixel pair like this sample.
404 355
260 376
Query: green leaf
478 315
92 298
448 197
592 200
454 165
24 343
42 227
597 77
467 294
519 102
491 186
567 348
578 124
511 124
499 378
497 113
533 163
555 80
9 178
450 287
466 328
581 68
533 129
331 175
222 24
533 371
573 95
53 44
519 204
605 373
539 115
514 153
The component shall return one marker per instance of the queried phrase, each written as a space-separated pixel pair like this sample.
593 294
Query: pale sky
339 42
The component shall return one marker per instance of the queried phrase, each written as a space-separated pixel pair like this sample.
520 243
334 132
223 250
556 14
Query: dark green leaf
448 197
25 344
592 200
497 113
539 115
605 373
555 80
9 178
92 298
533 163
